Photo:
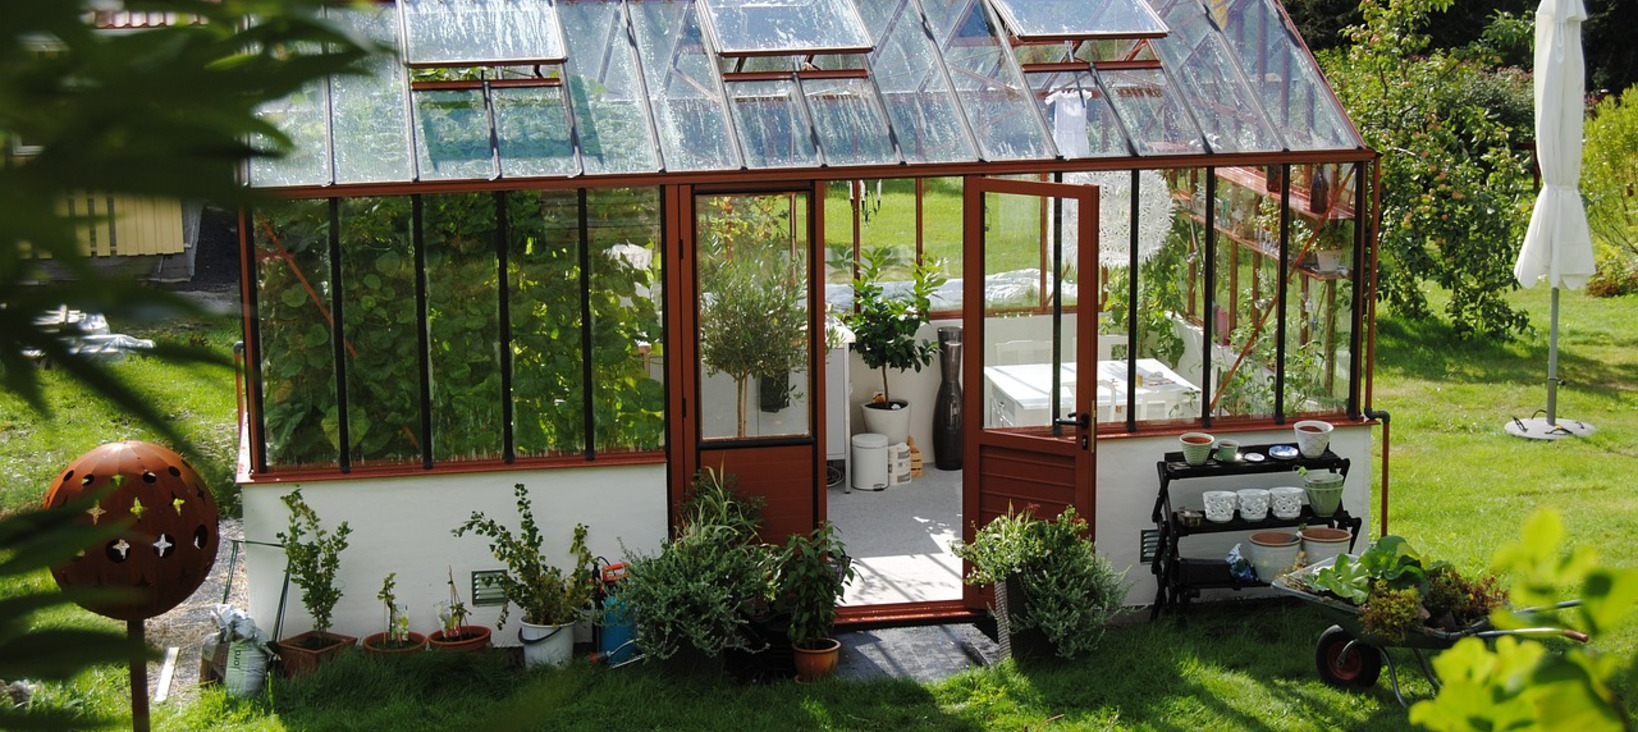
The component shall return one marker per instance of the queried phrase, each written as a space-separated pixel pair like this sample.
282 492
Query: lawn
1460 487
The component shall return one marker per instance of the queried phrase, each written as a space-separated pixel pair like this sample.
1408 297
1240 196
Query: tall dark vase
947 439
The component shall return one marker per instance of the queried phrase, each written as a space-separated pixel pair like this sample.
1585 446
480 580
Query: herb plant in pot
813 572
455 635
549 598
312 557
884 334
1052 587
397 638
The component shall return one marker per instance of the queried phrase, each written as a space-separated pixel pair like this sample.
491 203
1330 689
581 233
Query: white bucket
546 644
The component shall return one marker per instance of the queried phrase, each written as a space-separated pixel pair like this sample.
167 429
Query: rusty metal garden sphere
171 545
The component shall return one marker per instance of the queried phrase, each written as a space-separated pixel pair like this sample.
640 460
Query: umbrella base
1538 428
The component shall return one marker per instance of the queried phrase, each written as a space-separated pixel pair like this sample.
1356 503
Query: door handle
1082 420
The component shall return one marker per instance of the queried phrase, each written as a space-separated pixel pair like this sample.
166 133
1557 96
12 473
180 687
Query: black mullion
253 341
508 449
423 337
1285 269
338 342
586 399
1131 309
1208 320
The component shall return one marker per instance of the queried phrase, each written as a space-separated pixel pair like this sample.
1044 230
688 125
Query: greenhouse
597 247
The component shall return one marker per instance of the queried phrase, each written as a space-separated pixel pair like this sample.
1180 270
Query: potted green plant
1052 587
397 638
455 635
753 324
550 599
312 557
813 572
884 334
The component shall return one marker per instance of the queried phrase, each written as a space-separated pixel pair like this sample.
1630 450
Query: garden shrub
1609 180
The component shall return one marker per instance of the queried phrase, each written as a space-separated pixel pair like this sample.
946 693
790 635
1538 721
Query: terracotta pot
301 654
813 664
378 645
467 638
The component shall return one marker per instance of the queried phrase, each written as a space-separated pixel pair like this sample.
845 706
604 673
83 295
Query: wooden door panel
783 475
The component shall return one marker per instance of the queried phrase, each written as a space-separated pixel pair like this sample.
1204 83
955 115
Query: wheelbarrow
1351 659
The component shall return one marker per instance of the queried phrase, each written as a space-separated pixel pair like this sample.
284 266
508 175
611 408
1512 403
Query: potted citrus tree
549 599
884 328
397 638
312 557
813 572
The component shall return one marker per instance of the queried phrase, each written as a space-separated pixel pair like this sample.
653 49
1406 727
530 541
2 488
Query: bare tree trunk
743 385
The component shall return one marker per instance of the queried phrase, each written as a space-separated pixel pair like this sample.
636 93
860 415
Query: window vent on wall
1149 544
486 587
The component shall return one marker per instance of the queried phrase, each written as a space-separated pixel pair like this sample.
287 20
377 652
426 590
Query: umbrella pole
1552 364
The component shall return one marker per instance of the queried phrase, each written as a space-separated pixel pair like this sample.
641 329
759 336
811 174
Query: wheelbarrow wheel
1351 668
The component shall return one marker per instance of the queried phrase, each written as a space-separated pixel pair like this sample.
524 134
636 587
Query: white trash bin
870 461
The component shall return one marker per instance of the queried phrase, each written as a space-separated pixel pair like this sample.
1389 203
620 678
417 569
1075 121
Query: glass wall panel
773 131
380 320
1075 19
916 219
907 70
548 383
1029 362
453 140
1285 76
1156 118
762 26
304 118
1083 125
851 127
991 88
627 304
463 325
1210 79
371 123
532 129
606 93
752 266
478 32
684 88
299 411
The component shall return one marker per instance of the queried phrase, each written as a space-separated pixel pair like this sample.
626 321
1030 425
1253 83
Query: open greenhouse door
1030 439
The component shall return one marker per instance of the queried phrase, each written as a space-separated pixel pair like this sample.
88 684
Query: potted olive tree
753 324
550 599
312 557
884 334
813 572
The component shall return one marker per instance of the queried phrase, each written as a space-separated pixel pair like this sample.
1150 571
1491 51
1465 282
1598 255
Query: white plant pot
1320 544
551 645
1274 553
1313 436
892 423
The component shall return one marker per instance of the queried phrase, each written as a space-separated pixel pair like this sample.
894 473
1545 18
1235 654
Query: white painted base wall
403 525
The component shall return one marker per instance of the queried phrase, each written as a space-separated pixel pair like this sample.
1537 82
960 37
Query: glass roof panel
452 140
480 32
773 131
1199 59
998 103
371 122
304 118
1153 113
1031 19
905 66
532 129
1284 75
745 27
1083 125
683 86
606 91
852 128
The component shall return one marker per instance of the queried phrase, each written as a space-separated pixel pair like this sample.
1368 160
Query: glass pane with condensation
773 131
532 129
606 93
1156 119
452 135
764 26
684 88
479 32
303 118
1083 124
1079 19
368 111
999 104
1284 75
852 129
1209 76
906 68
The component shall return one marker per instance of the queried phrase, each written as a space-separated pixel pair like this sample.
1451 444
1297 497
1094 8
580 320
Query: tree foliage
1609 172
1456 187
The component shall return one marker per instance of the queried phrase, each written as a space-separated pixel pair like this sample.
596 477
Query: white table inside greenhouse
1018 394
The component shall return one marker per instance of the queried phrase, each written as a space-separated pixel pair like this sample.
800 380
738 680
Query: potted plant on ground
397 638
813 572
455 635
1052 587
884 334
312 557
549 599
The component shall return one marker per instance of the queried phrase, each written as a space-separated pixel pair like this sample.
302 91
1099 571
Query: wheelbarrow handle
1574 635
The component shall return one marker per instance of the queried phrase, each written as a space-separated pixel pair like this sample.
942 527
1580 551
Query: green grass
1460 487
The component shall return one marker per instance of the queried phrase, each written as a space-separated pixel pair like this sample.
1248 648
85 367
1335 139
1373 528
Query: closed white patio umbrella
1557 246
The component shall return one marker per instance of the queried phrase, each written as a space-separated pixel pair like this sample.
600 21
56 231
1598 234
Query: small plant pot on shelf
301 654
465 639
818 661
1274 553
1320 543
1197 447
1313 437
1324 492
378 644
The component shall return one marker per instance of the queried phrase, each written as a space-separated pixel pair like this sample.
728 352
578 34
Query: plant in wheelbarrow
312 556
813 572
1053 589
550 599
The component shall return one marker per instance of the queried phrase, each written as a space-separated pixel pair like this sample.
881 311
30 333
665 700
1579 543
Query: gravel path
187 624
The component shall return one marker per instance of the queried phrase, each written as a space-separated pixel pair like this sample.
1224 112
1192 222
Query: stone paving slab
927 653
